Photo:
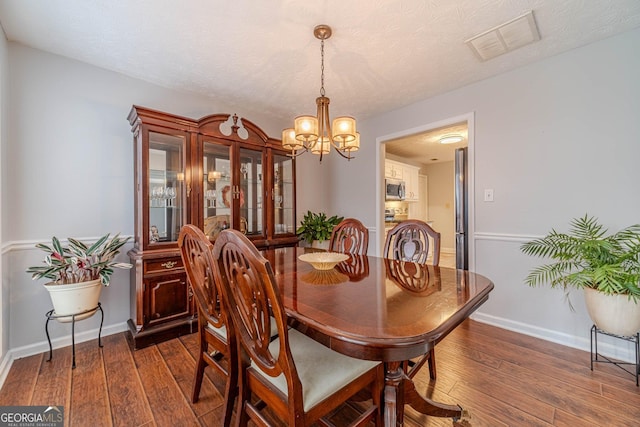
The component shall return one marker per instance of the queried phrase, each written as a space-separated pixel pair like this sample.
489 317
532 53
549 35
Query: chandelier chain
322 67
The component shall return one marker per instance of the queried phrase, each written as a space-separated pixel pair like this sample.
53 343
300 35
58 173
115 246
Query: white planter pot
616 314
74 298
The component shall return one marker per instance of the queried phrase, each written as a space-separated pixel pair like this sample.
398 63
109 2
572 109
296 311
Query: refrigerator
461 215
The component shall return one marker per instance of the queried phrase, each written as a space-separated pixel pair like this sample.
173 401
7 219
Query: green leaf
587 257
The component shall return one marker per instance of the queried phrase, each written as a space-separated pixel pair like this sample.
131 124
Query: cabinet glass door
165 187
283 194
217 189
251 195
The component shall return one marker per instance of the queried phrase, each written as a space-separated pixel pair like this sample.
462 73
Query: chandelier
316 133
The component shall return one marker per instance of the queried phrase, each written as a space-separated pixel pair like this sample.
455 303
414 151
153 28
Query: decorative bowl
323 260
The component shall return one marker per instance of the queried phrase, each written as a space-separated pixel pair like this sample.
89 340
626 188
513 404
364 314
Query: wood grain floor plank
127 398
508 390
53 387
482 401
502 377
564 419
21 381
576 371
193 347
169 406
183 367
574 400
89 398
476 416
629 394
477 329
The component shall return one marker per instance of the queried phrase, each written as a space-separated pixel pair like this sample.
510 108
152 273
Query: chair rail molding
502 237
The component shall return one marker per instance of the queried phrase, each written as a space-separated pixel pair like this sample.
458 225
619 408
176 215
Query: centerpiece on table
77 273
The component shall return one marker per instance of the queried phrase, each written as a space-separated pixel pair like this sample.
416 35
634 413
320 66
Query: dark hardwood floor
502 378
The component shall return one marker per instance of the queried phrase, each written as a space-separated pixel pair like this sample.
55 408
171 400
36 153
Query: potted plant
77 273
605 266
315 228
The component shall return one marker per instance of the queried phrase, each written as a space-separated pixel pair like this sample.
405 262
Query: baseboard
43 346
581 343
5 366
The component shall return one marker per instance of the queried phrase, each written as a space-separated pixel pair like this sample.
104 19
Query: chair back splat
409 241
350 236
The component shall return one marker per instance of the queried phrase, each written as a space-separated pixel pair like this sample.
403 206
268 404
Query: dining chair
350 236
412 240
216 343
298 379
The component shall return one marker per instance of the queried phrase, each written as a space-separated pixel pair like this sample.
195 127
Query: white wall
4 141
554 139
68 172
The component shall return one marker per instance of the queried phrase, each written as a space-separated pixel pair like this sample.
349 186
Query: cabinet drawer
162 264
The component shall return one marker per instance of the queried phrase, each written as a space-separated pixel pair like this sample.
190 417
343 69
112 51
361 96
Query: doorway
449 194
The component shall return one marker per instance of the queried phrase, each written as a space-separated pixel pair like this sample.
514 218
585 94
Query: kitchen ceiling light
317 134
450 139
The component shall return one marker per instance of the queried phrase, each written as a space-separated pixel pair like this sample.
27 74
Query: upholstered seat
321 370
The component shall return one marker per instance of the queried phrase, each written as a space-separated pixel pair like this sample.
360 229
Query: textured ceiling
383 54
425 147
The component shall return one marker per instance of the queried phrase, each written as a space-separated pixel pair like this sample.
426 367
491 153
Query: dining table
381 309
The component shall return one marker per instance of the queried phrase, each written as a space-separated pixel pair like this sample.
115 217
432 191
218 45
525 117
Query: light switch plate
488 195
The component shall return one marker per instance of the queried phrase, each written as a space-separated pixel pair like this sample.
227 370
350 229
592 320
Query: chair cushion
222 331
322 371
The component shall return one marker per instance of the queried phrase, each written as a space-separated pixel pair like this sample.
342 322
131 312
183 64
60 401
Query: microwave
394 189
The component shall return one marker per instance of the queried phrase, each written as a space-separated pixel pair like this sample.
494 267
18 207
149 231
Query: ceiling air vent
505 38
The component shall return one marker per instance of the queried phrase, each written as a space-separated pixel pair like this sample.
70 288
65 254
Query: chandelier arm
296 153
343 155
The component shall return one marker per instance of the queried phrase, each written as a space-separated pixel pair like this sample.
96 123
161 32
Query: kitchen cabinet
406 173
393 169
218 172
410 176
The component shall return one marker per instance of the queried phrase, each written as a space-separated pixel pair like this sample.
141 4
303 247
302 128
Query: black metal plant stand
622 365
50 315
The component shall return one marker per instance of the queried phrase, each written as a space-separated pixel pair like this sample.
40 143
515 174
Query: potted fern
77 272
316 228
606 266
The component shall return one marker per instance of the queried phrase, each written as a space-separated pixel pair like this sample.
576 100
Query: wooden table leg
393 394
427 406
400 390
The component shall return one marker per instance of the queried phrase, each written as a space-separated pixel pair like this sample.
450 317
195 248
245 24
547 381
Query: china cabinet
217 172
